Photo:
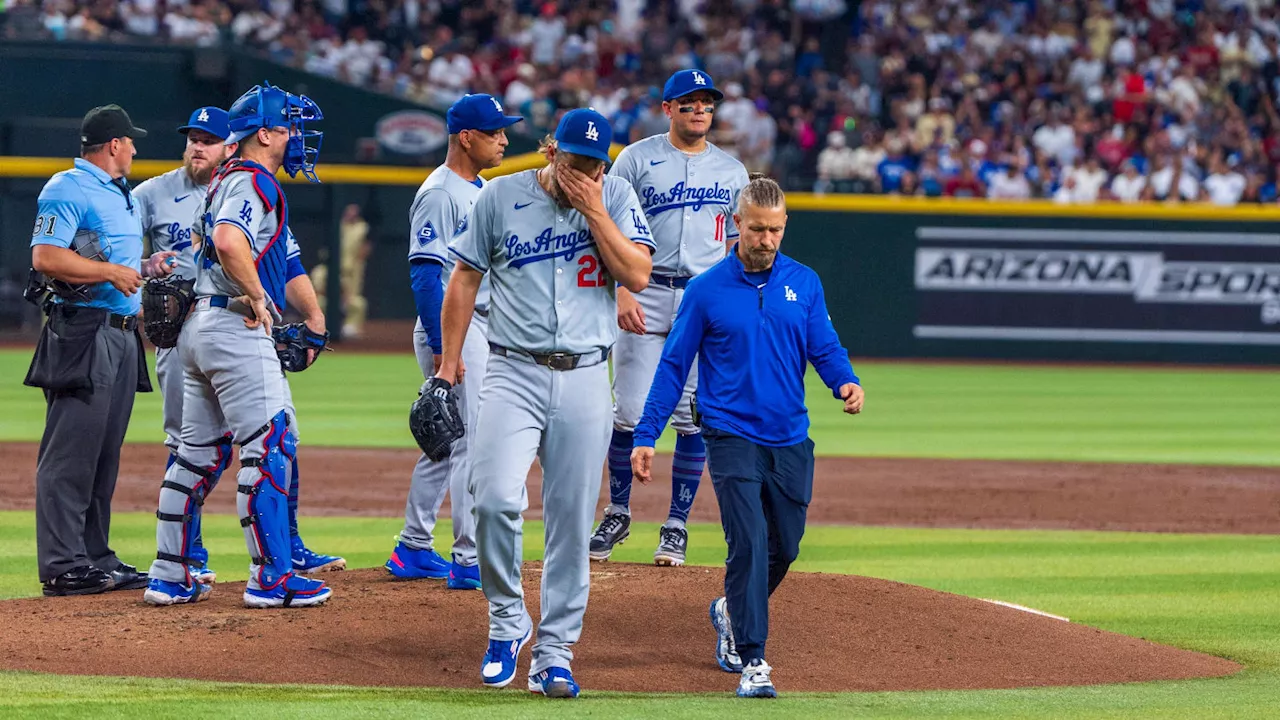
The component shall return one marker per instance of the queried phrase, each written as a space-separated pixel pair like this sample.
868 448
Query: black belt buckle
562 361
123 322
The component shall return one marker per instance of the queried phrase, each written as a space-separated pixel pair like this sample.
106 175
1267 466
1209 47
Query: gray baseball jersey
551 292
688 201
248 203
439 214
169 205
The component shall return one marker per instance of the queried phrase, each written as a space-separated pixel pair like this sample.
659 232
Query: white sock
617 510
674 523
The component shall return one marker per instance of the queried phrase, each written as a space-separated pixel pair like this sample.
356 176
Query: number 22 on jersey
591 272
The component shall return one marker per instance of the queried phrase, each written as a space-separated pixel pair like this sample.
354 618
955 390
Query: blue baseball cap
478 112
687 82
212 120
584 132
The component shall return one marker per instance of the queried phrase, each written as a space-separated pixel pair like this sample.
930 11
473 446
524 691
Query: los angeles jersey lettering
688 200
551 291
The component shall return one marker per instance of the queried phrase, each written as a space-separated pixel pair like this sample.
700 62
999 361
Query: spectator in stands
1011 184
1223 186
964 185
835 165
1128 186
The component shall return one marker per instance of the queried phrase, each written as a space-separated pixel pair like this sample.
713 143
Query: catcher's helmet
267 106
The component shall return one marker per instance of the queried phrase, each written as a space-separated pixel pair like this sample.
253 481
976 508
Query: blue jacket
752 344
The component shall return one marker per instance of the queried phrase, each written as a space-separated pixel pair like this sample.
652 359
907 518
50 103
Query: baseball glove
434 419
292 343
165 303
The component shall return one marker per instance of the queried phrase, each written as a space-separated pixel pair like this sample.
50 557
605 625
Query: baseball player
553 242
246 272
169 205
688 188
477 139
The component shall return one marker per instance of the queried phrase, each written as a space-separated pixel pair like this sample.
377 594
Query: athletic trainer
753 321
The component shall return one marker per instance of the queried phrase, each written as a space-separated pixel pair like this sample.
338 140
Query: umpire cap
106 123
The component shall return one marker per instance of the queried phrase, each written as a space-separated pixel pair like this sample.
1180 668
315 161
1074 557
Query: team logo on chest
791 294
694 197
547 246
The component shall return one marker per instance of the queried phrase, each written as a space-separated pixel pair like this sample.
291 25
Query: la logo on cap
204 115
592 133
698 79
496 103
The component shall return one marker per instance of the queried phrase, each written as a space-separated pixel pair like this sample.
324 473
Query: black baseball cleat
127 577
613 529
673 542
86 580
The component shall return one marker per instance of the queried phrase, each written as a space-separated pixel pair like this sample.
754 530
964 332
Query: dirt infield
860 491
829 633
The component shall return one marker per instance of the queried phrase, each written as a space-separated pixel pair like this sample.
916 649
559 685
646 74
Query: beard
758 259
200 176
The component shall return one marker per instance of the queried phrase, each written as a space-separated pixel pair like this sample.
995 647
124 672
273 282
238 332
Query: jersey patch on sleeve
462 227
427 234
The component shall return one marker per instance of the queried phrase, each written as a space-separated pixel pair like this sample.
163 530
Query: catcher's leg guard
262 501
188 481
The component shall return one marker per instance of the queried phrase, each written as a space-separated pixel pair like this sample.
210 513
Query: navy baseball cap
478 112
688 82
212 120
584 132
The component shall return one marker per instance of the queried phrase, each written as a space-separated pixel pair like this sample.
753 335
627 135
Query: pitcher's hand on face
642 464
630 314
584 192
853 397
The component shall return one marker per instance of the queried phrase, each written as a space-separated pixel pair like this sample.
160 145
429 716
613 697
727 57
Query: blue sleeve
823 347
428 296
683 343
294 268
59 211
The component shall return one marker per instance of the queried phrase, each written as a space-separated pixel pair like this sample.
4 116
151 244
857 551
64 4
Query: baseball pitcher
553 243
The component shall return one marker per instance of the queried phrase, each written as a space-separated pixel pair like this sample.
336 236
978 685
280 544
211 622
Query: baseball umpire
552 241
168 205
477 138
753 321
247 269
86 259
688 188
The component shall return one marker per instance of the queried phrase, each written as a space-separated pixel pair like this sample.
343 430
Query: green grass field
1213 593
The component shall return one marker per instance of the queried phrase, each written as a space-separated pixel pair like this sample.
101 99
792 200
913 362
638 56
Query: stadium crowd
1074 100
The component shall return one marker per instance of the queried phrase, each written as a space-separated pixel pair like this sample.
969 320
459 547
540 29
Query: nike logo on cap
521 206
180 198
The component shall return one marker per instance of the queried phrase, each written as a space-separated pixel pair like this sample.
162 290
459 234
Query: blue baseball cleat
409 563
163 592
726 650
464 577
554 682
292 590
499 666
755 682
307 562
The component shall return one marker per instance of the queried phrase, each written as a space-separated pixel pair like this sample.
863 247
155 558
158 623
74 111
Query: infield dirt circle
646 628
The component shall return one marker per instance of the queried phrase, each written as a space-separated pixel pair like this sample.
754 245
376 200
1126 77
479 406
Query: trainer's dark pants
80 456
764 494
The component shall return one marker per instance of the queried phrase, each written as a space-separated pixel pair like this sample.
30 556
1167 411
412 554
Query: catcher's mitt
165 303
434 419
292 343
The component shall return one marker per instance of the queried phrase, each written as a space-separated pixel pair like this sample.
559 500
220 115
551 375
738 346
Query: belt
672 281
482 312
222 301
119 322
555 361
123 322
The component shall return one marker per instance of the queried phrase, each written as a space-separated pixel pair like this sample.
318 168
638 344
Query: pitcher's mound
646 630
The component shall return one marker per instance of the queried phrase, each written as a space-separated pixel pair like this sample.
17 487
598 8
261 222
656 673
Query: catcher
234 355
